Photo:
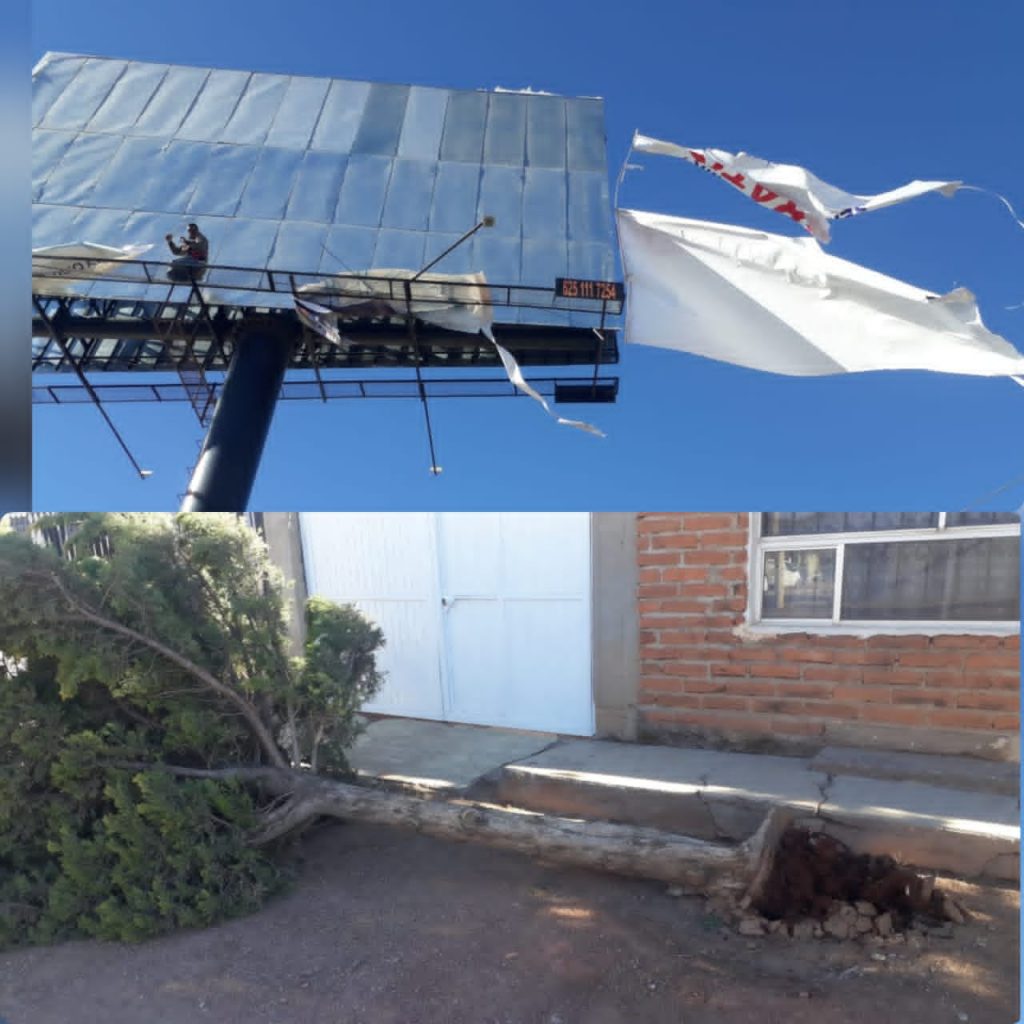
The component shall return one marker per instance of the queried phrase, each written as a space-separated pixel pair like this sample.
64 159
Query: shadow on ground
388 927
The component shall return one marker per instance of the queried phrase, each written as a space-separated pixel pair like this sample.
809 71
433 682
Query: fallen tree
160 740
700 866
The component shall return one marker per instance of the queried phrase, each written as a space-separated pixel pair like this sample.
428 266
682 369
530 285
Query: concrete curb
722 796
968 826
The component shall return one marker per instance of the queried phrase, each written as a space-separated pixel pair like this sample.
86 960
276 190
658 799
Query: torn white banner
55 266
515 375
785 306
319 319
458 302
788 189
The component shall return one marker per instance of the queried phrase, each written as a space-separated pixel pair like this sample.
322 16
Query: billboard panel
319 176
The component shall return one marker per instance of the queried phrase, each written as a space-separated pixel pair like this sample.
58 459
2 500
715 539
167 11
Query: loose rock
866 908
751 926
883 924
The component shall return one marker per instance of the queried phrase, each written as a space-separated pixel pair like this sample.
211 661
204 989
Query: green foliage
86 849
339 675
166 854
155 640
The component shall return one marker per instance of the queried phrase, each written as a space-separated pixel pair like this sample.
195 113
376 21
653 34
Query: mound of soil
812 871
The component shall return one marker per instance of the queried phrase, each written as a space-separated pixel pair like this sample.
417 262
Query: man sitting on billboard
192 254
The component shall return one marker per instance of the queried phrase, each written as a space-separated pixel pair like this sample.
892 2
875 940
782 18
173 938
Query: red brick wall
941 693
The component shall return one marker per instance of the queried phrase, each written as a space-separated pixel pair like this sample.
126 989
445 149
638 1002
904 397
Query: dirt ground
384 926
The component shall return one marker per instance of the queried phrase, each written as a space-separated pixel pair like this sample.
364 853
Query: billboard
319 176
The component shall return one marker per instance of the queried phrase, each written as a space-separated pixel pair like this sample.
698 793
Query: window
908 568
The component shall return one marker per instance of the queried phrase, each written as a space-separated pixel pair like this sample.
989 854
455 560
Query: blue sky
867 95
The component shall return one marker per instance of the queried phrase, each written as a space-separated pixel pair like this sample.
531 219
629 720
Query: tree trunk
701 867
693 864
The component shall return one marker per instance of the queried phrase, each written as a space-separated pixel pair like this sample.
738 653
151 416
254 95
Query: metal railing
286 283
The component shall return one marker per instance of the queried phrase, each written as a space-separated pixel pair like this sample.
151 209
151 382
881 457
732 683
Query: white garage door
486 615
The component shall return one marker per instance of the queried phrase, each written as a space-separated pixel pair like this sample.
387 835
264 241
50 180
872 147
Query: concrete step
718 795
964 821
947 771
438 758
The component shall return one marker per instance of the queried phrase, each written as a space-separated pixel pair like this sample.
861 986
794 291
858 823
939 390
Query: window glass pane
975 578
798 584
981 518
788 524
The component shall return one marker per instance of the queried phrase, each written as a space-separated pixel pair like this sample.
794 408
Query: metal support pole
224 475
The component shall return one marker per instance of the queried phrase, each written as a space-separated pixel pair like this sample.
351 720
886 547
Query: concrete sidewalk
947 814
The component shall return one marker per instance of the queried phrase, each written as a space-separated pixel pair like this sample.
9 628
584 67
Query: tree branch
248 712
280 781
286 818
298 800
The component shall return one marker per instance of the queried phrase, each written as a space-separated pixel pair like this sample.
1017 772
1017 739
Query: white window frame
759 545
